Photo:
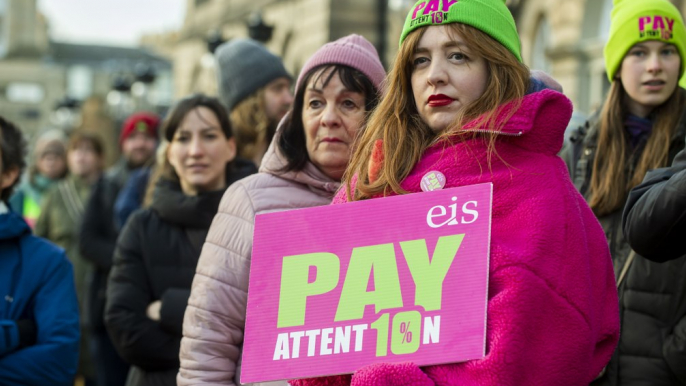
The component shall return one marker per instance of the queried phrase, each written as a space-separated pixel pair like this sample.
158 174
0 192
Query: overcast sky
110 22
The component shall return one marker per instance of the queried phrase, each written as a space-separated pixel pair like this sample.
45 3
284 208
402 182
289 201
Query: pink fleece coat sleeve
536 346
533 357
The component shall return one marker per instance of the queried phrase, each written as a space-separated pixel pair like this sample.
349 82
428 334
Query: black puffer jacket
655 293
155 259
647 295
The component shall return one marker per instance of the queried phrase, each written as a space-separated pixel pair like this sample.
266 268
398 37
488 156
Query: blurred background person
158 249
60 219
640 127
39 314
133 193
98 236
256 89
47 166
336 91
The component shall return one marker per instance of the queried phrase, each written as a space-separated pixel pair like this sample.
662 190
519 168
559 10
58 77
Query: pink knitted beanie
353 51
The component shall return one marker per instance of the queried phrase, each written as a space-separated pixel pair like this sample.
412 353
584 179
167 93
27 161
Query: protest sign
397 279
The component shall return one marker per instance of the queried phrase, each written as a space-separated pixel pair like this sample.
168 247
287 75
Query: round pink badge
432 180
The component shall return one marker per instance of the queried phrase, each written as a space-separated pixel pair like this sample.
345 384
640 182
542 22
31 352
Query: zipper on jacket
519 134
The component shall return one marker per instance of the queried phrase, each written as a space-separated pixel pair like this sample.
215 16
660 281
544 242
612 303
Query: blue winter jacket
37 283
131 196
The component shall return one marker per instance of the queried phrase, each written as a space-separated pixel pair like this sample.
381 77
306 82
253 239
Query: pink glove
391 374
336 380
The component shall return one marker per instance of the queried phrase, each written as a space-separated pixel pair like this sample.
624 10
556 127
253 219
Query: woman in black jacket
158 249
654 226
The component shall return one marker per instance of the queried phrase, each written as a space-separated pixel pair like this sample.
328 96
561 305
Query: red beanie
140 122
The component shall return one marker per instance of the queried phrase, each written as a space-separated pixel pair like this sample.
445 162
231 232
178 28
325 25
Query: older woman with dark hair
158 249
336 91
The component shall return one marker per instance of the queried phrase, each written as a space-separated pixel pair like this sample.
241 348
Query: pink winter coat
215 317
552 310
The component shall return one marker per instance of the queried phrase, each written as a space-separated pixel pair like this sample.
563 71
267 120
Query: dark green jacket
61 213
59 221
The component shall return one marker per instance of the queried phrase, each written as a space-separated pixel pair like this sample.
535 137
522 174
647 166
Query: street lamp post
119 99
214 40
257 29
66 116
145 75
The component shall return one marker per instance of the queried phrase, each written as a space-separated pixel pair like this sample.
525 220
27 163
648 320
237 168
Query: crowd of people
138 274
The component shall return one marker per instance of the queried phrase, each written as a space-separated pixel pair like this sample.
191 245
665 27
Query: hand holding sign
330 297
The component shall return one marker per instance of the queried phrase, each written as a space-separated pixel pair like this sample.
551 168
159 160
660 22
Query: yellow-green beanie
489 16
635 21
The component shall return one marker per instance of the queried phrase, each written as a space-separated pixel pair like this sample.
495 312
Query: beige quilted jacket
215 317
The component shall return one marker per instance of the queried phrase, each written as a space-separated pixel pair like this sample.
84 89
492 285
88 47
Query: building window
79 82
539 59
596 24
162 91
604 26
400 5
25 92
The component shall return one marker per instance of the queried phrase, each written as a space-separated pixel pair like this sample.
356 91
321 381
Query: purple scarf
638 128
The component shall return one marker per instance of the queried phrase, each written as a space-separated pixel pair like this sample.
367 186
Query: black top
655 213
655 294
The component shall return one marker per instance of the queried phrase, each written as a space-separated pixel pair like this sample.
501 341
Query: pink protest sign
397 279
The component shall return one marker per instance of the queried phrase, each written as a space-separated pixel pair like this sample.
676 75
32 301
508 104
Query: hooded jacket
215 318
552 314
155 259
37 283
28 196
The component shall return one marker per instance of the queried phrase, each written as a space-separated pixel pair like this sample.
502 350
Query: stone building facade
562 37
300 27
37 74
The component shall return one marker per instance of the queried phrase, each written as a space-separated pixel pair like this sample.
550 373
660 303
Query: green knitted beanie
635 21
489 16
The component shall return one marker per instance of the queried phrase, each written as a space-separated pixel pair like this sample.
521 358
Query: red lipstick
439 100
